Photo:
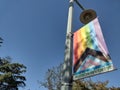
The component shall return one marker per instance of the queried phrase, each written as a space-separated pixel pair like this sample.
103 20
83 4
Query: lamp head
87 15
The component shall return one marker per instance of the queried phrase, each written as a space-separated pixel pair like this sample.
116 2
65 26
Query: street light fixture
87 15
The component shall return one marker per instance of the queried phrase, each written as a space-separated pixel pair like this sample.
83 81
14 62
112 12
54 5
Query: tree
90 85
1 41
52 78
53 82
10 74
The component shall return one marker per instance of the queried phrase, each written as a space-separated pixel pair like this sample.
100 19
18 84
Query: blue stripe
93 36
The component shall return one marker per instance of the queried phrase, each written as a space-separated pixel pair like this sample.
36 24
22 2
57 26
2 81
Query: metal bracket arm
79 5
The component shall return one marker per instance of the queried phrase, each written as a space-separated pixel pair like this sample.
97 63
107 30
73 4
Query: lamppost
67 66
85 17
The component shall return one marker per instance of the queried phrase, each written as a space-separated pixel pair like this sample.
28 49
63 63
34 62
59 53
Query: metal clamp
70 35
67 84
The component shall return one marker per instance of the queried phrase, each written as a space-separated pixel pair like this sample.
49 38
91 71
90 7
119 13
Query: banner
91 55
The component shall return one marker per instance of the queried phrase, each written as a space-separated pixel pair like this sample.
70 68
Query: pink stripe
89 63
99 36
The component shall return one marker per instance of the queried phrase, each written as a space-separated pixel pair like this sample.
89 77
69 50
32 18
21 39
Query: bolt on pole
67 66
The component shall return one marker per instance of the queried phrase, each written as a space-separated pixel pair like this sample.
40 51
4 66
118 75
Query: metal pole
67 66
80 5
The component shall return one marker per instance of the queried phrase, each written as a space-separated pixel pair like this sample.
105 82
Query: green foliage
10 74
1 41
53 82
89 85
80 85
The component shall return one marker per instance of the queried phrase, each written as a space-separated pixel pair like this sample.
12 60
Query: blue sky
34 34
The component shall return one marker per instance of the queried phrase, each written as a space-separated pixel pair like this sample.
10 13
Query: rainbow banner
91 55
